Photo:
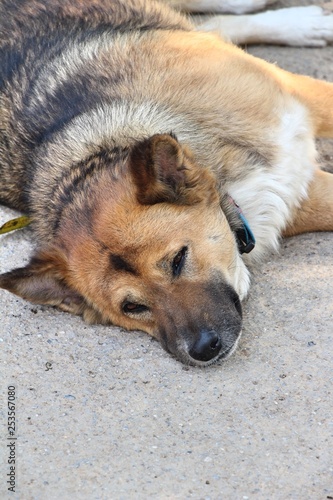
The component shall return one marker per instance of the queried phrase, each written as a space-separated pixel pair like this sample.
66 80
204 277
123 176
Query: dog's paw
310 26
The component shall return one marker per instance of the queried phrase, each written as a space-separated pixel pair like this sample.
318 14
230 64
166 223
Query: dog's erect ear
164 171
42 281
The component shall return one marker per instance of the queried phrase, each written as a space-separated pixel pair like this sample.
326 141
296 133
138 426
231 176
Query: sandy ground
107 414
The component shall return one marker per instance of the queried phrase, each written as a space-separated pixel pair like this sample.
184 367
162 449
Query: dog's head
152 250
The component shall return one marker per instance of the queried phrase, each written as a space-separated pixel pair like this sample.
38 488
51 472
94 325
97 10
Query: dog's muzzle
204 326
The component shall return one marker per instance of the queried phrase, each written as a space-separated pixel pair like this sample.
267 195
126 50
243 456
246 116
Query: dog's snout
206 347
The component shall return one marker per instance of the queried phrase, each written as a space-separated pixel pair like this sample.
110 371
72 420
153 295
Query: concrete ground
107 414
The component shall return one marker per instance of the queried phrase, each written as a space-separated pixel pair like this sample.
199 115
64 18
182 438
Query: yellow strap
14 224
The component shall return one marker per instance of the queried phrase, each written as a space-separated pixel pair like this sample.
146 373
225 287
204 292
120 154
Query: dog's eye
131 307
179 261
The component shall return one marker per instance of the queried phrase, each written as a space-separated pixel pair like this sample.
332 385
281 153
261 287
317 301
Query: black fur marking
120 264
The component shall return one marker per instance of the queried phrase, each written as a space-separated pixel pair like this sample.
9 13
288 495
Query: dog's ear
164 171
42 281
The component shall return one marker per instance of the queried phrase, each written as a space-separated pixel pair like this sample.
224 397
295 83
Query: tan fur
316 211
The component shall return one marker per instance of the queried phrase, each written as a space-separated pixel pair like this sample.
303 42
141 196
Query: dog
156 162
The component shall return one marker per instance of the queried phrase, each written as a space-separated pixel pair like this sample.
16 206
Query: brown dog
131 140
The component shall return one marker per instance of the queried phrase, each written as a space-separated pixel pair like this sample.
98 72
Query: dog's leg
220 6
310 26
316 211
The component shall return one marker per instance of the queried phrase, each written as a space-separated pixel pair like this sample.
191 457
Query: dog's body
124 133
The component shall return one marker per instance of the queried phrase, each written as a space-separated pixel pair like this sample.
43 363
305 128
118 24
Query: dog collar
245 238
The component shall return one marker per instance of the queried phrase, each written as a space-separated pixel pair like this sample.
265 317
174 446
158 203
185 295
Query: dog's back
44 82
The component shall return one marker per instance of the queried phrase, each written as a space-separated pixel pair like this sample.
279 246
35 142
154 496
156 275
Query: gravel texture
106 414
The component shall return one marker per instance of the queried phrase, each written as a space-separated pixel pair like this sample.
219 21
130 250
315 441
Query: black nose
206 347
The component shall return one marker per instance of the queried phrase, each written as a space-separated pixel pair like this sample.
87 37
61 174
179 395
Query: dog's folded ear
42 281
164 171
